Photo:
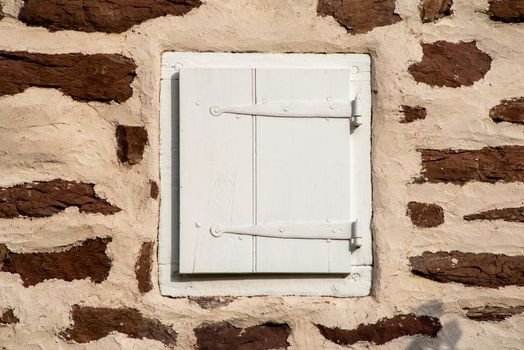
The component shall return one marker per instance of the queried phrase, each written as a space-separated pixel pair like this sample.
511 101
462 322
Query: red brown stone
211 302
510 110
111 16
8 317
471 269
360 16
433 10
40 199
412 113
224 336
451 64
493 313
93 323
143 267
88 260
489 164
131 142
385 330
98 77
506 214
506 10
425 214
153 189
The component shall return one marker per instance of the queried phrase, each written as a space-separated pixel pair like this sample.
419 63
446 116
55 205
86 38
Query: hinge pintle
356 237
356 112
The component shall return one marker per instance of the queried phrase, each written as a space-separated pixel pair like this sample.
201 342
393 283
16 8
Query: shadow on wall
448 336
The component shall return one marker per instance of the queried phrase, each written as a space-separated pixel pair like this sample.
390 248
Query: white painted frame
358 282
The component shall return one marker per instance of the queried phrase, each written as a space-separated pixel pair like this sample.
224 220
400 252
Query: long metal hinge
347 231
331 109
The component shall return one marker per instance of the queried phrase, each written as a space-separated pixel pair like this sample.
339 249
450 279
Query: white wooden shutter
254 177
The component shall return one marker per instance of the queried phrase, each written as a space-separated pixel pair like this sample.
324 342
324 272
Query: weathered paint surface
58 123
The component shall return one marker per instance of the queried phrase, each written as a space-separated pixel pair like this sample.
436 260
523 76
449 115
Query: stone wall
79 165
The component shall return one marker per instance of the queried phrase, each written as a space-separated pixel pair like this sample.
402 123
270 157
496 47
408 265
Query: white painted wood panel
172 283
303 167
216 178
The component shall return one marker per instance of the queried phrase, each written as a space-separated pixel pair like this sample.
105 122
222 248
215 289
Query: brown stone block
510 110
425 214
433 10
93 323
385 330
143 267
211 302
489 164
451 64
111 16
40 199
98 77
472 269
8 317
88 260
412 113
360 16
223 336
131 142
506 10
153 189
506 214
493 313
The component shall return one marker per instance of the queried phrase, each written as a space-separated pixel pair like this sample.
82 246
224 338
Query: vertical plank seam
255 175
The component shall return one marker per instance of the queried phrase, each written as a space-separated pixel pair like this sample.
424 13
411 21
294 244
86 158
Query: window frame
358 282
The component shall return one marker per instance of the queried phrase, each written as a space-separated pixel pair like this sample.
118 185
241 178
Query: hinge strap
334 109
328 231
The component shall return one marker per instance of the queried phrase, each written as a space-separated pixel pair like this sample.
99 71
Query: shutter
264 182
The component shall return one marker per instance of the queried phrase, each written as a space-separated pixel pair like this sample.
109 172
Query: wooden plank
303 169
216 178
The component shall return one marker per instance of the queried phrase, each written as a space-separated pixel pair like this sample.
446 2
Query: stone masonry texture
489 164
8 317
385 330
360 16
153 189
506 10
88 260
83 77
425 214
482 269
412 113
92 323
113 16
506 214
143 267
212 302
131 142
433 10
450 64
223 336
40 199
493 313
508 110
81 92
